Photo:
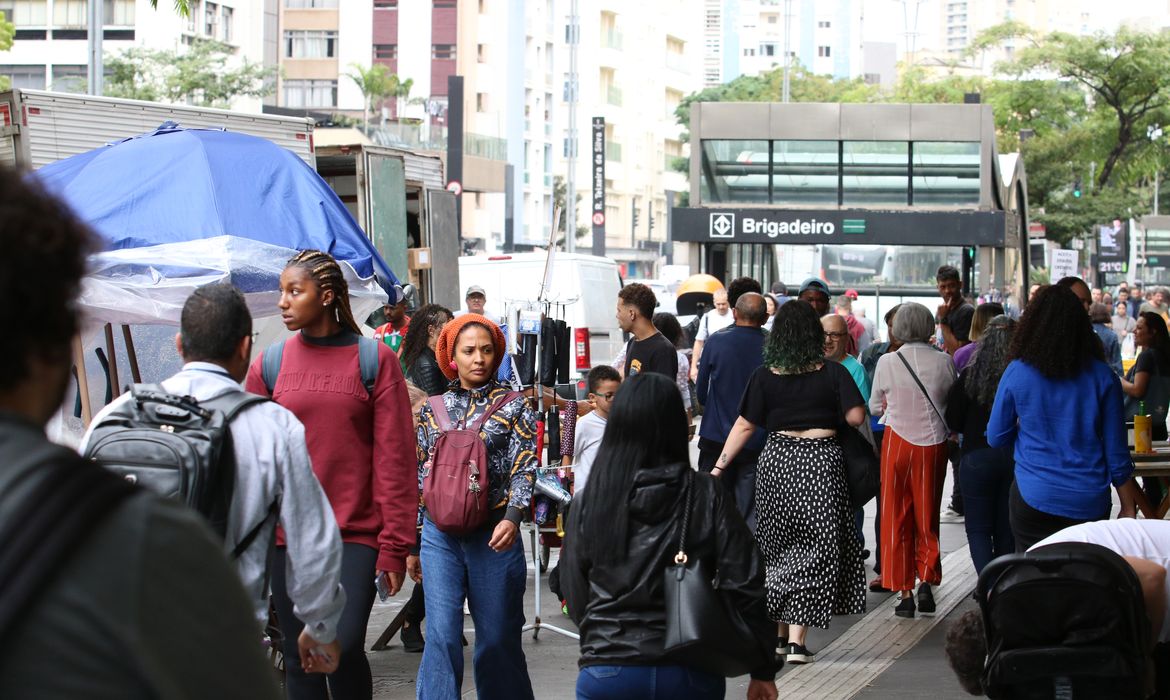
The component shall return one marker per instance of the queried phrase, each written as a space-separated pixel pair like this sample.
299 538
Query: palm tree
375 82
400 91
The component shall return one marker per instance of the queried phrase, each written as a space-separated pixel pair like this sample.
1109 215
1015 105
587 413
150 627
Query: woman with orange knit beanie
486 566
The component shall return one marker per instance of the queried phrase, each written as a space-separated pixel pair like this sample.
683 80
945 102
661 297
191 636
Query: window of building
875 172
192 16
386 51
210 18
772 19
767 49
481 53
749 52
118 13
481 102
309 93
385 4
823 51
25 13
226 19
482 7
443 51
300 43
313 4
824 24
25 77
69 78
946 172
444 4
739 171
70 13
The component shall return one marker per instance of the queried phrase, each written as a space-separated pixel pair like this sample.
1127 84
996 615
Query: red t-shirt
362 450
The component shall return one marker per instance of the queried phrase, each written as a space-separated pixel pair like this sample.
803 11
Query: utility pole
785 94
572 37
95 70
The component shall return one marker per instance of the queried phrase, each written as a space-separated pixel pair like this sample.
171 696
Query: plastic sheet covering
150 285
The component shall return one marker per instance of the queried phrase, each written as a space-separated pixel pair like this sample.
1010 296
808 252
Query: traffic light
635 216
1077 188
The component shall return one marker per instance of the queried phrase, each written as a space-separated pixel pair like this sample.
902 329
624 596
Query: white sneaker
950 515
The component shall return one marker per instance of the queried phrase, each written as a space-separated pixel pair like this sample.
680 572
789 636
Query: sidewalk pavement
920 672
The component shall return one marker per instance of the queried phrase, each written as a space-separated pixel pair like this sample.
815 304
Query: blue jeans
648 683
455 567
987 479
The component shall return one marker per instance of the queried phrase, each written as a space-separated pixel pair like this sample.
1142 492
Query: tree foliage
7 34
560 196
200 76
378 83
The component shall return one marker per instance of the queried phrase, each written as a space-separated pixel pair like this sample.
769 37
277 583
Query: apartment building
636 63
50 49
315 43
747 37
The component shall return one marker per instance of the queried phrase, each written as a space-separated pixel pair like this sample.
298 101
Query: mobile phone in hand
382 586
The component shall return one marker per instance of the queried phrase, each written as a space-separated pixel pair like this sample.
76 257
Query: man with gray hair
732 355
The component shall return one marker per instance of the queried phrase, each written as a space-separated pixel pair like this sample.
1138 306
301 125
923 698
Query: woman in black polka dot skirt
804 520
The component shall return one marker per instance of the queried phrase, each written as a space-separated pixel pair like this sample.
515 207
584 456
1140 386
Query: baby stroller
1066 621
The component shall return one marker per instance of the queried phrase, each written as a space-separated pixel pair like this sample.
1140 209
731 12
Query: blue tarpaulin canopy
178 207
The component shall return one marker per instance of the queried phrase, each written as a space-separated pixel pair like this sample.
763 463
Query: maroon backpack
455 477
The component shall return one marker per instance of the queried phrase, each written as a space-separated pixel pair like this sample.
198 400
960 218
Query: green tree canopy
7 34
200 76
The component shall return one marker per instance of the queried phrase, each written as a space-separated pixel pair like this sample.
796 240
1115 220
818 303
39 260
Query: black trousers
739 477
1029 525
351 680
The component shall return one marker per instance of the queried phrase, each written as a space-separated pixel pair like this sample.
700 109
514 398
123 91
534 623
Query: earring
452 365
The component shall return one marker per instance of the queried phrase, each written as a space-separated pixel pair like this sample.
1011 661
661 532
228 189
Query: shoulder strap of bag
368 362
685 520
920 386
442 418
499 403
49 527
243 544
270 365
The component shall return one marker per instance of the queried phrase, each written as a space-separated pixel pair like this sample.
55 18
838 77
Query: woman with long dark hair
804 523
418 349
362 448
1059 407
622 535
986 472
909 392
1145 380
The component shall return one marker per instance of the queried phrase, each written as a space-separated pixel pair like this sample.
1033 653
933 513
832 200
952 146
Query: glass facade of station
868 174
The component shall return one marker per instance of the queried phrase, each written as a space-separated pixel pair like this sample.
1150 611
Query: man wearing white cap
476 298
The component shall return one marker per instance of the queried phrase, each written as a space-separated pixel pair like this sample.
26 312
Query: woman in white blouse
909 391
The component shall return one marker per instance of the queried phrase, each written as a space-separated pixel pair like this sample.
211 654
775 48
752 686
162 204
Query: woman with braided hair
361 444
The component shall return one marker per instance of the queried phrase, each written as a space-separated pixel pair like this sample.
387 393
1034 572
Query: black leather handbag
862 467
703 630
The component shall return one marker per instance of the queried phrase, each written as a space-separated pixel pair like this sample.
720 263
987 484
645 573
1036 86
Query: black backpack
176 447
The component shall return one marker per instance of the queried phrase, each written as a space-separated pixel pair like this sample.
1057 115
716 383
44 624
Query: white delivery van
592 281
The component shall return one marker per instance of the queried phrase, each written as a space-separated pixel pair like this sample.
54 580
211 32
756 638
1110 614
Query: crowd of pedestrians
336 496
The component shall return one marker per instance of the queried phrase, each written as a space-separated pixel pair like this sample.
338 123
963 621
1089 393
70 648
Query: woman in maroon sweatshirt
362 448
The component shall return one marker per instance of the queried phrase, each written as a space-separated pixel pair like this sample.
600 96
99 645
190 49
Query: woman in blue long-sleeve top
1060 404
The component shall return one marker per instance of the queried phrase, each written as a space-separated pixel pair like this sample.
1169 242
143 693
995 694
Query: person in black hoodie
418 349
621 537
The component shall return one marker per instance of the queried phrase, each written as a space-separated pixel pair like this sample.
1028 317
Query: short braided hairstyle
326 273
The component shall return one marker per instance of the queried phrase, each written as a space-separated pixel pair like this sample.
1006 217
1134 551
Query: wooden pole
131 353
82 382
113 358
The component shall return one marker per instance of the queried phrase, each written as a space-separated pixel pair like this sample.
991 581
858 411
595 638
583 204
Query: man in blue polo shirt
730 358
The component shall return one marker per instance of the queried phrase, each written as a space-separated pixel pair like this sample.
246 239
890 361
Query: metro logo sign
723 225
